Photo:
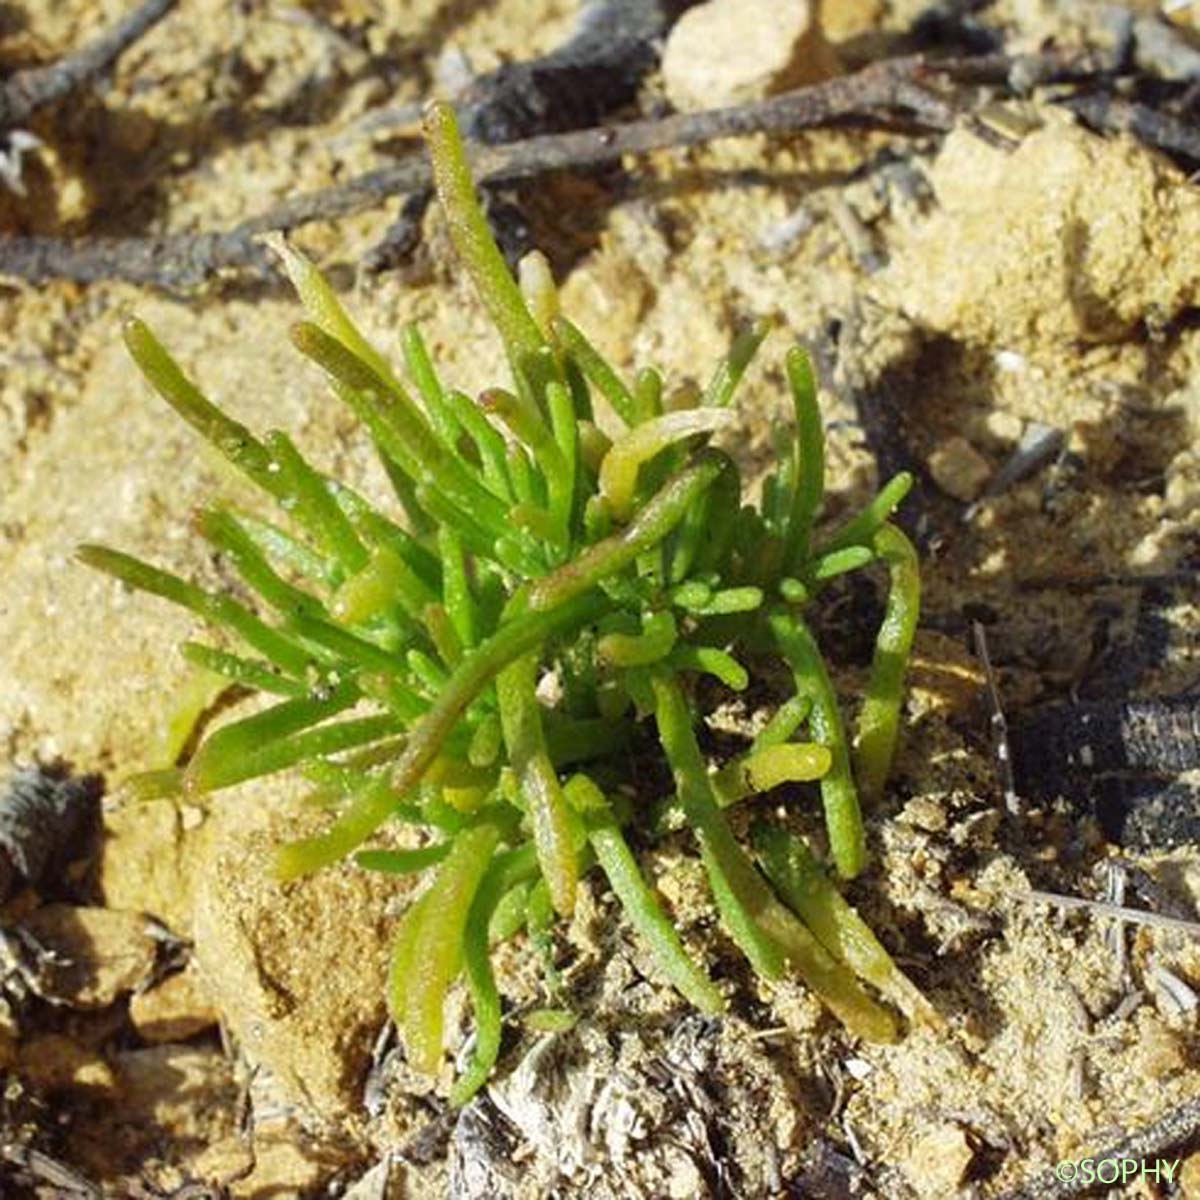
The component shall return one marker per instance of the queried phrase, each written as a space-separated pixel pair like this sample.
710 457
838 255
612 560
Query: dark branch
879 93
172 261
25 92
580 83
596 71
1161 130
1172 1134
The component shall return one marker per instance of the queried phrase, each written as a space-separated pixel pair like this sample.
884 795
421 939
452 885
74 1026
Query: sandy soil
1056 280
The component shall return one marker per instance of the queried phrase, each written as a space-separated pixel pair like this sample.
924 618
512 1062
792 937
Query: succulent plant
484 663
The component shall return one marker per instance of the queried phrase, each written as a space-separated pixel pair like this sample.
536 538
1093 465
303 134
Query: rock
845 19
943 676
175 1010
149 862
1068 238
98 954
938 1160
729 51
925 813
188 1093
1160 1053
297 970
288 1163
959 469
51 1062
1189 1178
1004 427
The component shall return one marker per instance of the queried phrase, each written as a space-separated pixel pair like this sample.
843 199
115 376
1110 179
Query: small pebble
730 51
52 1062
175 1010
1159 1051
94 954
285 1163
925 813
1010 360
959 469
939 1160
1004 426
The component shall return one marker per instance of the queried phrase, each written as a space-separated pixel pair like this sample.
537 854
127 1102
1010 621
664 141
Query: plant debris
25 92
46 819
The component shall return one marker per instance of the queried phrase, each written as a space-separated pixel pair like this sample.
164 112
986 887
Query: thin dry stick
41 1168
998 721
878 93
1101 908
24 92
1167 1138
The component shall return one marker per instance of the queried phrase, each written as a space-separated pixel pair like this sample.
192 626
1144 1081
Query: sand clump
297 970
1073 239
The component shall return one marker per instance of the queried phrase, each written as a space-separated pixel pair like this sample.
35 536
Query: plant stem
472 238
879 720
843 818
638 898
767 933
437 939
808 458
507 870
520 716
230 437
659 516
475 671
798 878
860 529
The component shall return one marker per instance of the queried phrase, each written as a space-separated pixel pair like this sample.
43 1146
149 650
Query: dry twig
33 1167
1100 908
880 93
24 92
1171 1133
998 721
1158 129
579 83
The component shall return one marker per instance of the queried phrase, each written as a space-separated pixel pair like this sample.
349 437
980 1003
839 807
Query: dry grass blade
1101 908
